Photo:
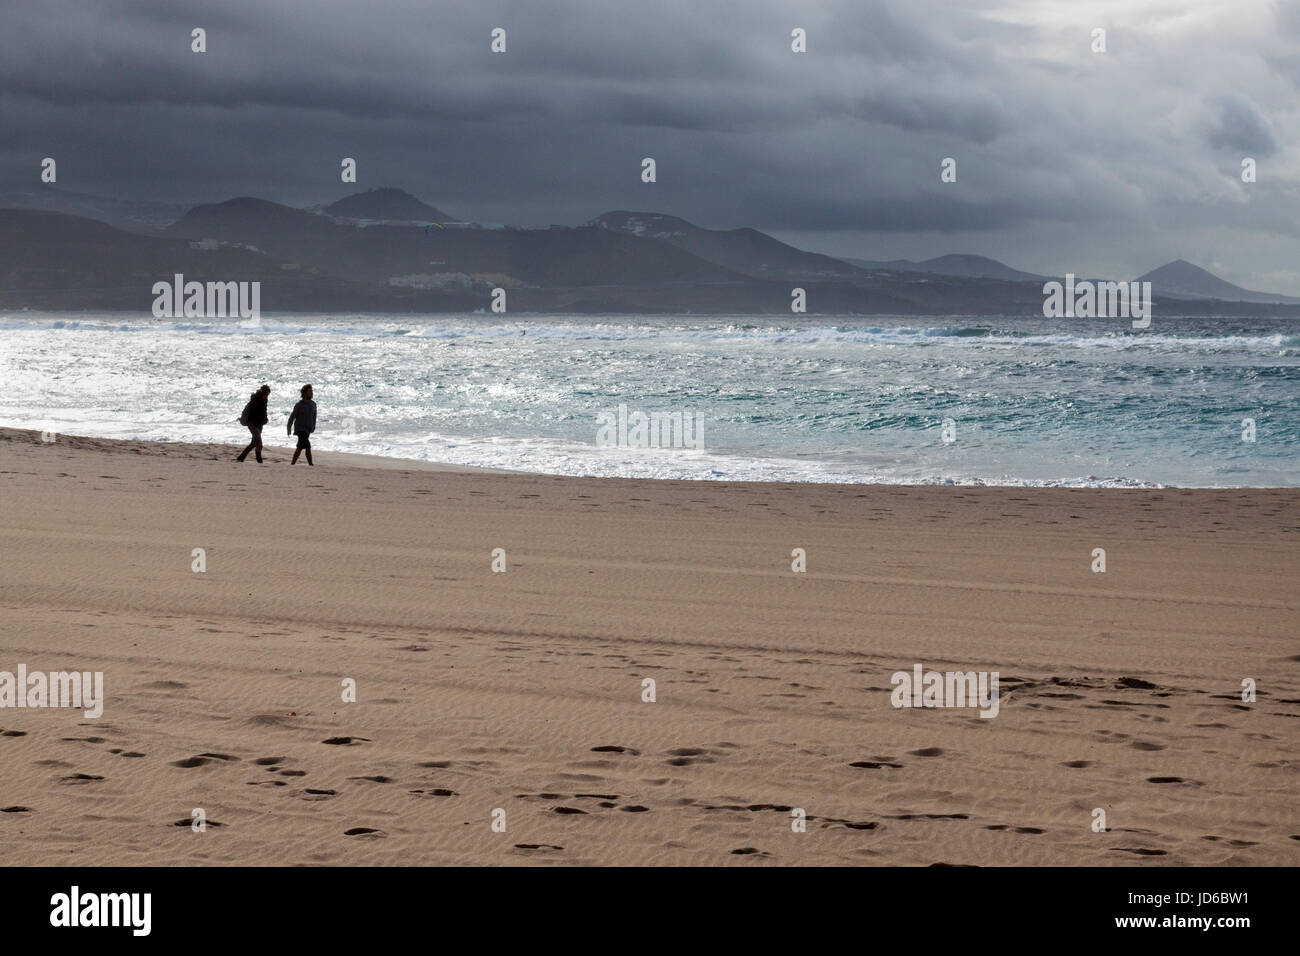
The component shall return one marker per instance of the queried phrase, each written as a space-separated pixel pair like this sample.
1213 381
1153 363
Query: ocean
998 401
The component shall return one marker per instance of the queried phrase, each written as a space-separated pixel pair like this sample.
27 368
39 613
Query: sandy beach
523 691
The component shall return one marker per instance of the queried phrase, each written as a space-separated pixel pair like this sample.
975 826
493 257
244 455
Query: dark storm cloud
1059 150
967 118
1241 126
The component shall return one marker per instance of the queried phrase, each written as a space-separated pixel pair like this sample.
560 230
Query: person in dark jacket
302 422
255 417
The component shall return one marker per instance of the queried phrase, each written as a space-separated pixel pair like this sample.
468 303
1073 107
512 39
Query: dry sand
523 690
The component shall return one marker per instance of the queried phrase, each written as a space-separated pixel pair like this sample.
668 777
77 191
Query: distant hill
123 213
746 251
386 203
250 220
1183 279
967 266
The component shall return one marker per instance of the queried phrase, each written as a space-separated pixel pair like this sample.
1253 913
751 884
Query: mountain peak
654 225
386 202
1181 267
1186 280
227 219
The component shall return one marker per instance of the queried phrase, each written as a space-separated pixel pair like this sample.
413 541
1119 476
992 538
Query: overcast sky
1104 164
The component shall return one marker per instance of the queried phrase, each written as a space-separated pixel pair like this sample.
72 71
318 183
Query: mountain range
386 250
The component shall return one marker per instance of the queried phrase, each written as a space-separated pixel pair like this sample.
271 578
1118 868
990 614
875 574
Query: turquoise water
1087 402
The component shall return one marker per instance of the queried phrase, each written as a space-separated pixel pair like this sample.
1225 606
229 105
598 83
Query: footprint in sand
537 846
1236 843
13 733
1136 683
927 752
1077 764
377 778
364 831
15 809
188 822
685 756
269 761
1140 851
345 741
437 792
271 720
850 824
201 760
78 778
190 762
614 749
749 851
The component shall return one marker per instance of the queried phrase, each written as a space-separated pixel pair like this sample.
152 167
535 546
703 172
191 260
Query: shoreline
222 451
219 451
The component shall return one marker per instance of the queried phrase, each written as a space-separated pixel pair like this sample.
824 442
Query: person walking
254 417
302 422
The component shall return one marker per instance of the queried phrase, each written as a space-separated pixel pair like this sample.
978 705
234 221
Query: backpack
248 410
